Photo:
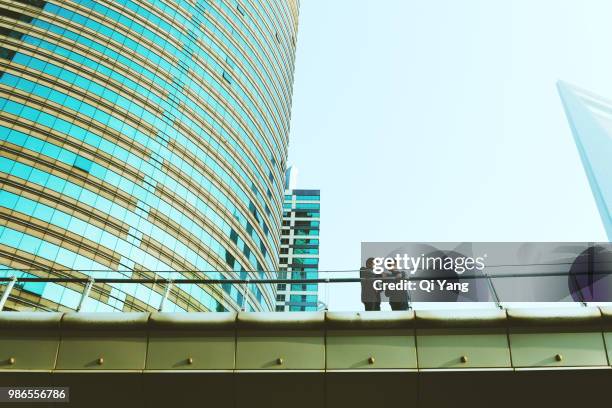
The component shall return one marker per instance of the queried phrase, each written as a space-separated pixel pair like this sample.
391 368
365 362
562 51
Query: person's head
370 263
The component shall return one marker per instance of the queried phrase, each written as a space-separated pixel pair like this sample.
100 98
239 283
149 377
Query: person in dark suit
398 299
370 297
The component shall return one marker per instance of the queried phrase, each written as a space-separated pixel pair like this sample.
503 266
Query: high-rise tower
299 257
141 137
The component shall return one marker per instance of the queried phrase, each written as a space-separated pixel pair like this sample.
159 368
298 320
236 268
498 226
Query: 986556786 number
31 394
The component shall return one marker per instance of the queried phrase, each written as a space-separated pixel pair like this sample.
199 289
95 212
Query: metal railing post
7 291
409 300
583 302
85 294
244 295
493 292
165 297
326 294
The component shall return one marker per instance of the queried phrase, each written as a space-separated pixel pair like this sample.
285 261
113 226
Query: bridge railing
57 290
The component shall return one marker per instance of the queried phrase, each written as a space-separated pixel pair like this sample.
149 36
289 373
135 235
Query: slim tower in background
590 117
299 257
143 139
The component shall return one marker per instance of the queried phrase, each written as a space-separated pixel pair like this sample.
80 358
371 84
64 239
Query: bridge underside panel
491 358
558 388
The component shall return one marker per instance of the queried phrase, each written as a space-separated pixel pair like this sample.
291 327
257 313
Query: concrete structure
552 357
144 138
299 255
590 117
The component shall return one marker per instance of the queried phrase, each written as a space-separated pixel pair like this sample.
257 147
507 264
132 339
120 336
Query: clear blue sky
439 120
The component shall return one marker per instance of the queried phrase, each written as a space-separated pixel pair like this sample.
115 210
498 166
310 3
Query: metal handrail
89 282
207 281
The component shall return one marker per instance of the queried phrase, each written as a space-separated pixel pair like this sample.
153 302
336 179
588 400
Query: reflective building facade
590 118
144 138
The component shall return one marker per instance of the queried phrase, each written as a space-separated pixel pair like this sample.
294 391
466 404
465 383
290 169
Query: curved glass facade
143 138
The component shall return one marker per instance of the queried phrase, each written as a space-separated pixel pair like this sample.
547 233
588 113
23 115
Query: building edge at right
590 119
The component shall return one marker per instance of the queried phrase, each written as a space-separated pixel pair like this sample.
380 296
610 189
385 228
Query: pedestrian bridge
487 358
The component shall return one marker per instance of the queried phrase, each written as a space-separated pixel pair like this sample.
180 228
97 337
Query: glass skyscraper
299 254
590 118
142 138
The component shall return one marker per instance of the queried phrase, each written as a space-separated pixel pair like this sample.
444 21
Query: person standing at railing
398 298
370 297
